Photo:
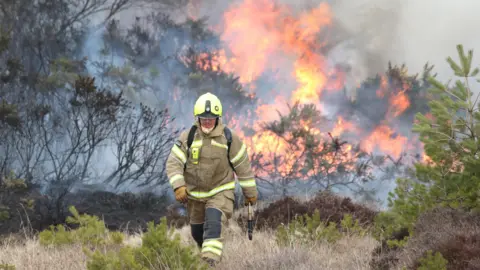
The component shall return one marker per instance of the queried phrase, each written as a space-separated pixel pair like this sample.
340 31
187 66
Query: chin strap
207 131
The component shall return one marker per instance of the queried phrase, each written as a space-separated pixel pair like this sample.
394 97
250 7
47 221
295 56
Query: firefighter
202 175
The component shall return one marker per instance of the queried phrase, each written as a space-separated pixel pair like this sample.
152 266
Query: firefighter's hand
252 201
181 194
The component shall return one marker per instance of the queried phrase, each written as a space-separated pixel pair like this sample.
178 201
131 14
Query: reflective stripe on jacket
211 172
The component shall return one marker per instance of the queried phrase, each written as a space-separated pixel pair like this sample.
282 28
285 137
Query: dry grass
240 253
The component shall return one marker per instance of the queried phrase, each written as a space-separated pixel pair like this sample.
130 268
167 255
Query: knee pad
213 223
197 233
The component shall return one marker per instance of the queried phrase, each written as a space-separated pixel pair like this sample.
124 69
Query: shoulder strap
191 135
228 135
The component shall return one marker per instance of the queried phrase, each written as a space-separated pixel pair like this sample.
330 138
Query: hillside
94 94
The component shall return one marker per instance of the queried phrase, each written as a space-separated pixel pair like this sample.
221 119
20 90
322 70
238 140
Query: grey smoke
402 31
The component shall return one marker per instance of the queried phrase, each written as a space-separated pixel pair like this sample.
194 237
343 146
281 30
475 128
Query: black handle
250 229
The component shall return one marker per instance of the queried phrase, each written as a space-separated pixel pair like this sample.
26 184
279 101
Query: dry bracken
240 253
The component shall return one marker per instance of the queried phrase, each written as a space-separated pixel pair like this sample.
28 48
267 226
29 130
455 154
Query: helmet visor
208 115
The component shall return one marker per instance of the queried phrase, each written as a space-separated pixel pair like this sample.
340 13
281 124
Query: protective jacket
208 171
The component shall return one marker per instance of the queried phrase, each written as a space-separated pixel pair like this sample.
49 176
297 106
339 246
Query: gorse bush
159 250
91 231
352 227
433 262
4 266
4 214
308 229
11 182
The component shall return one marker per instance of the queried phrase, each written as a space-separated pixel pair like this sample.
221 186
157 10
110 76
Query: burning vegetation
303 125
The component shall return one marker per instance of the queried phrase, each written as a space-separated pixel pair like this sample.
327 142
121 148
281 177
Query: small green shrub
6 266
158 251
28 203
91 231
351 226
433 262
387 224
11 182
4 214
307 229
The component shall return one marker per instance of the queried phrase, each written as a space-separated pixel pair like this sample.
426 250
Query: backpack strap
191 135
228 135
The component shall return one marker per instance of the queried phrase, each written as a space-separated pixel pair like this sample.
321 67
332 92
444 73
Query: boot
211 262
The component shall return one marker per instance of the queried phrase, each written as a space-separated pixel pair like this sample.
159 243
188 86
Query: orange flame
342 126
384 138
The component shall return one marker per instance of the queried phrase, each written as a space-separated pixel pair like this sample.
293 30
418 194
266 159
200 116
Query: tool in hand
250 221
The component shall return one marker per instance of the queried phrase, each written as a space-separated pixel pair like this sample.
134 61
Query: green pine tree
450 135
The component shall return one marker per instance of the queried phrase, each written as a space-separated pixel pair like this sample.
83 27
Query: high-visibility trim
245 158
212 243
176 177
215 143
213 246
239 154
247 183
197 143
179 153
176 159
202 194
212 250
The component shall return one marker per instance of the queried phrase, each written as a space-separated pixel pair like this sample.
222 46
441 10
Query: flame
342 126
385 139
399 103
383 89
260 37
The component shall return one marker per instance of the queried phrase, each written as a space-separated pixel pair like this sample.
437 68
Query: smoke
410 32
365 36
373 32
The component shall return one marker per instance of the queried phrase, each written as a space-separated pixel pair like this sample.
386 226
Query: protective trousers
207 218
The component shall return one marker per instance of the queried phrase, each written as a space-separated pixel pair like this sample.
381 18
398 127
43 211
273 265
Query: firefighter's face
207 123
